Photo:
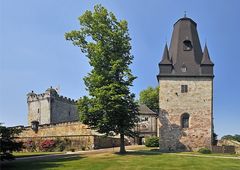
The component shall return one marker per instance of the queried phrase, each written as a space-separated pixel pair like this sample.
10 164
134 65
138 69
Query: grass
28 154
142 159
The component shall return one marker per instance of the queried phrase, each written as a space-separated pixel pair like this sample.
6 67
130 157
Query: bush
61 145
204 151
152 142
47 145
7 142
30 146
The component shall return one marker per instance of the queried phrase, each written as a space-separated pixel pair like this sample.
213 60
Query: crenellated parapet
50 93
50 108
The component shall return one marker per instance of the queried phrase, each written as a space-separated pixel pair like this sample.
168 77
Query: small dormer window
187 45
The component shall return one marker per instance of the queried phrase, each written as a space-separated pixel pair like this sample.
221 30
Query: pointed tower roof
185 52
165 57
206 58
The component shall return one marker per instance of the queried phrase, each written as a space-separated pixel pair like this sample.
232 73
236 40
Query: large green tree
106 42
150 97
7 142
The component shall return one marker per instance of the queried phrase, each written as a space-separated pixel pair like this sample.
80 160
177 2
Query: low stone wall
61 129
107 142
78 136
223 149
226 142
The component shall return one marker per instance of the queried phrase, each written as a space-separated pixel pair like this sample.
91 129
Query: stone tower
186 91
49 107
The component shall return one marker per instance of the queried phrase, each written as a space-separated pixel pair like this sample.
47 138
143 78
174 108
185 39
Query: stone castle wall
79 135
197 102
54 130
49 107
39 110
63 111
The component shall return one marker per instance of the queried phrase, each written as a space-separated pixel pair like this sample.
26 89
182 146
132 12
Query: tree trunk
122 144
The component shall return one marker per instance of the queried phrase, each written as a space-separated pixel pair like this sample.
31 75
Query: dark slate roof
185 52
206 58
143 109
165 57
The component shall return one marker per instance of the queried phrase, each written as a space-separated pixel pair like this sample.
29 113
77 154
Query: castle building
51 116
186 91
147 125
50 108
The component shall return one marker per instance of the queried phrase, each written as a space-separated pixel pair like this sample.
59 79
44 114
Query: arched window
185 120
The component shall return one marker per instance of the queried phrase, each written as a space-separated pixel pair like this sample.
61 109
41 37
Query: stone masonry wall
63 111
49 107
61 129
77 133
197 102
39 110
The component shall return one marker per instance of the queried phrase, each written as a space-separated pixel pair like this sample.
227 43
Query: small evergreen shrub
204 151
152 142
83 148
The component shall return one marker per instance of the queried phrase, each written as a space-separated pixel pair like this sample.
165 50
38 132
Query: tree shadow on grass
39 164
141 152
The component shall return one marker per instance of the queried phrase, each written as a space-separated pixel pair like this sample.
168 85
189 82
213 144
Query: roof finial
185 14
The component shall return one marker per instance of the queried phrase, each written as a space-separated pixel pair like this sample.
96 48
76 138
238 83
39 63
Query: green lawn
28 154
132 160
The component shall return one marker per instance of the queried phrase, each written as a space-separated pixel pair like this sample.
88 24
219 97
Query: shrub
7 142
204 151
83 148
47 145
30 146
152 142
61 145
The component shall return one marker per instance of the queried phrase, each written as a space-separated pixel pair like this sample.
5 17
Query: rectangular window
184 88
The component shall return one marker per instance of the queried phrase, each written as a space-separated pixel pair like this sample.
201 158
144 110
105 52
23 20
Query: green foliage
150 97
7 142
106 42
47 145
61 145
30 146
232 137
204 151
152 141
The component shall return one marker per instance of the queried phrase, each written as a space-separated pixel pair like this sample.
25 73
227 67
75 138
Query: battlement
49 93
50 107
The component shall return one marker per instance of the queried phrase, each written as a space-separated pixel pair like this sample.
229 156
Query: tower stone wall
50 107
197 102
186 91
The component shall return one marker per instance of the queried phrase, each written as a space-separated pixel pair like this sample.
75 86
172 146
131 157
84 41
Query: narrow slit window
185 120
184 88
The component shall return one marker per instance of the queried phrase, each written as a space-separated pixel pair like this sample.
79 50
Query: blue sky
34 54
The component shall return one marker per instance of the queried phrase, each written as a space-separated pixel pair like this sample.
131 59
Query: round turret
31 93
51 91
